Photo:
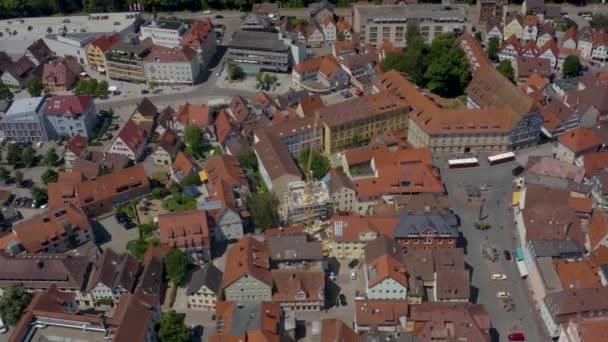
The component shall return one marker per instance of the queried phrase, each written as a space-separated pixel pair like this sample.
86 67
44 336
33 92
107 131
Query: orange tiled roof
598 229
579 139
247 257
577 275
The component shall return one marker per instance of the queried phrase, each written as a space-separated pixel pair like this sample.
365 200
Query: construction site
306 203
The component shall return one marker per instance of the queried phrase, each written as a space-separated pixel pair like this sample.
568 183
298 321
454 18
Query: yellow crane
309 179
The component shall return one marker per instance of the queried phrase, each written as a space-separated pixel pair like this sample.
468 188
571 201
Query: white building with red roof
70 115
168 66
131 141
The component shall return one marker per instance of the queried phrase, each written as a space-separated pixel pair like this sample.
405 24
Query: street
497 182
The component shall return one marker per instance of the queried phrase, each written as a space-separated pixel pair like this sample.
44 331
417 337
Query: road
501 236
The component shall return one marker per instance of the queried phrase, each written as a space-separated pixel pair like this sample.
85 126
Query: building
60 75
125 62
576 143
276 165
257 22
247 275
385 273
53 314
342 191
320 74
268 8
130 141
170 66
530 24
585 41
23 122
298 134
299 208
299 290
524 67
362 118
336 330
56 230
188 231
201 38
295 251
112 276
163 33
70 115
351 233
494 29
151 278
260 51
75 148
248 322
38 52
448 321
427 231
204 288
599 50
489 9
97 49
377 23
584 329
514 25
167 149
533 6
102 194
570 39
386 315
70 44
182 167
546 32
16 73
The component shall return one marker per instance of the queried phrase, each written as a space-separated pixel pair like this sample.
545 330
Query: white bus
501 158
462 163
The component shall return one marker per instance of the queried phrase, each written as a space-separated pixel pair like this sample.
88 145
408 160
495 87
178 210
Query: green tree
49 176
52 157
172 328
234 71
599 21
478 36
249 160
5 92
492 49
448 73
102 89
91 87
14 153
5 174
572 67
34 86
259 77
176 265
13 302
506 69
340 37
146 229
18 177
81 87
263 208
319 163
40 195
137 248
482 225
195 139
394 61
29 156
191 180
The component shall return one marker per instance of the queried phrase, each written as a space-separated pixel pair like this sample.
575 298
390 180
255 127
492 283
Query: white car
503 294
206 12
3 328
353 275
498 276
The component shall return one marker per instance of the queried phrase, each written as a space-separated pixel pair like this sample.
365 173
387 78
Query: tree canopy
28 157
52 157
176 264
572 67
492 49
441 67
263 208
5 92
12 303
195 140
49 176
14 153
172 328
319 164
39 195
599 21
34 86
506 69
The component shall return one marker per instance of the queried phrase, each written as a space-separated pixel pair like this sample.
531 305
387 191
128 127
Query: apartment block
125 62
163 33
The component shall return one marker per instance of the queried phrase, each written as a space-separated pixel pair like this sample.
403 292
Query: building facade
125 62
23 122
163 33
70 115
170 66
260 51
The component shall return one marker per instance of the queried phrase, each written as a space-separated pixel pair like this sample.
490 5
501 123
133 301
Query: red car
517 336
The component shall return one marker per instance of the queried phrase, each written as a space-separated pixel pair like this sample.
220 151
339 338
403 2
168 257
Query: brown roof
452 284
227 168
147 109
385 267
196 36
104 43
591 329
530 48
104 189
186 229
197 115
380 312
247 257
115 271
546 166
577 275
526 66
473 51
512 41
274 156
600 38
571 33
597 229
238 108
531 20
77 145
55 224
339 180
40 51
579 139
572 301
326 65
451 322
224 126
420 264
169 142
298 285
132 135
183 164
335 330
362 108
550 45
265 8
162 54
311 104
594 162
58 73
356 228
464 121
86 168
257 322
132 316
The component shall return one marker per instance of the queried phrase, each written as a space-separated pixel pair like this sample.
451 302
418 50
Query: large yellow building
97 49
361 119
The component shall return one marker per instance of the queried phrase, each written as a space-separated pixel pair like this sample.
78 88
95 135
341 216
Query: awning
203 176
520 254
516 197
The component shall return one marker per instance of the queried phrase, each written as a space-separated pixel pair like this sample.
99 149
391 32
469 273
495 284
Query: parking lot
111 234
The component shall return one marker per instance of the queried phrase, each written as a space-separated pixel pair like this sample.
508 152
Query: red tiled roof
380 312
577 275
104 43
198 33
77 145
579 139
247 256
67 105
197 115
289 284
224 125
227 168
163 54
132 136
594 162
183 164
598 229
189 229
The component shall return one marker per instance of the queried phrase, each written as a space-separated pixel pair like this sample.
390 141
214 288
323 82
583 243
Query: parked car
3 328
342 299
353 263
507 255
219 16
145 91
503 294
516 336
353 275
498 276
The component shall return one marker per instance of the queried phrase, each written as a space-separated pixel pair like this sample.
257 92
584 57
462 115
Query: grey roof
433 12
290 98
339 180
246 316
209 276
294 247
29 105
553 182
256 21
446 258
567 84
549 274
137 49
256 40
554 248
415 224
161 24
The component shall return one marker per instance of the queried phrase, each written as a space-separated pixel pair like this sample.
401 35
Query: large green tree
176 265
263 208
12 303
49 176
34 86
172 328
29 156
13 156
506 69
5 92
599 21
52 157
572 67
319 163
40 195
195 139
492 49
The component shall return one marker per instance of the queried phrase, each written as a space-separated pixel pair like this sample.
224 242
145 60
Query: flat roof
400 12
255 40
75 333
137 49
162 24
28 105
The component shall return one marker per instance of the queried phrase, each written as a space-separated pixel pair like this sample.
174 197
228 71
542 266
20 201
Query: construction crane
309 180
